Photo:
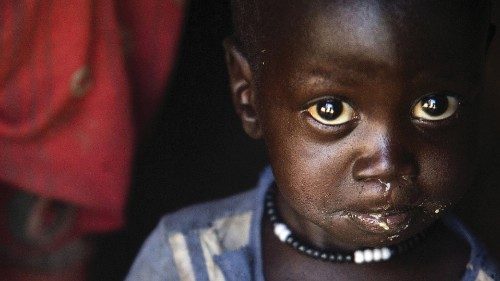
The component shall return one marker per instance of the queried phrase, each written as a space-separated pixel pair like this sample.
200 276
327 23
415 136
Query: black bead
340 257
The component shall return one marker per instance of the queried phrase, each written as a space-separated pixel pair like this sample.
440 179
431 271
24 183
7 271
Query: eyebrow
344 73
339 77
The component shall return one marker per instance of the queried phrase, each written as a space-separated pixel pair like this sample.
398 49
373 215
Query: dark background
196 150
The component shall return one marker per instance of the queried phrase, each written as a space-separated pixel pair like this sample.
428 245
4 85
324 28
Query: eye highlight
331 112
435 107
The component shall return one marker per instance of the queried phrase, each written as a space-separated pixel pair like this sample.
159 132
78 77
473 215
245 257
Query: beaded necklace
360 256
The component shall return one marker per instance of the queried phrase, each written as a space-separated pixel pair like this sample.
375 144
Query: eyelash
432 103
459 103
337 128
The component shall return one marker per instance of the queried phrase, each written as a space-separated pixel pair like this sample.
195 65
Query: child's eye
331 112
435 107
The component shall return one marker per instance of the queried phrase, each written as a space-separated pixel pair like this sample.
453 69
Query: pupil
435 105
329 109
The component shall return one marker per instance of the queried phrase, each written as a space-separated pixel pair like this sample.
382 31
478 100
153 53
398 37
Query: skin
384 174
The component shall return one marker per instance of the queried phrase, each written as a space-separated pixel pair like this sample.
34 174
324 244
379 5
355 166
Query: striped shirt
221 240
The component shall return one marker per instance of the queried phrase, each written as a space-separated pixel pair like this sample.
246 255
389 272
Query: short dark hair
246 18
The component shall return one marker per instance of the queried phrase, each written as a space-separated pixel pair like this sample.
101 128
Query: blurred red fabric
78 81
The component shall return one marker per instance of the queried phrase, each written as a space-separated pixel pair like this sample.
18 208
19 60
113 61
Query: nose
385 157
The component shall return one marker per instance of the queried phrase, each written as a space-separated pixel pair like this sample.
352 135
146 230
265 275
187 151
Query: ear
242 90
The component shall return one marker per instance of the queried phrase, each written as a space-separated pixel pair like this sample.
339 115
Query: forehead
373 33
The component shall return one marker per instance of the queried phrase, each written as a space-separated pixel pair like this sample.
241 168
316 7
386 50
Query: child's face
368 113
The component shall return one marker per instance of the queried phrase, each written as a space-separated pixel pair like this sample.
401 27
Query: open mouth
388 222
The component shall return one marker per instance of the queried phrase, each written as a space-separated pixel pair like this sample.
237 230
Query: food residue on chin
383 225
393 237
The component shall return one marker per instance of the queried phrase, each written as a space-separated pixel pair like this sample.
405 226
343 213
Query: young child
368 109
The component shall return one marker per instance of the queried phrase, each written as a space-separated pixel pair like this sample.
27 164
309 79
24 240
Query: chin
379 231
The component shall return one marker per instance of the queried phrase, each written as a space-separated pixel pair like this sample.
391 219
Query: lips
388 222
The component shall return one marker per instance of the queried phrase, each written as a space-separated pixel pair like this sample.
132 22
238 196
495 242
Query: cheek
310 174
446 173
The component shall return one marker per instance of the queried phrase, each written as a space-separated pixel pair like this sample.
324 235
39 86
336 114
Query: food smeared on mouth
385 222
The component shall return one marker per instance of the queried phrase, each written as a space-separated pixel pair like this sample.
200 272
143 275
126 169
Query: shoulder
481 266
188 238
206 214
204 241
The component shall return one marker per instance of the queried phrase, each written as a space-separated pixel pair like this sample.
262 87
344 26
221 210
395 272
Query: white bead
386 253
368 255
377 254
359 257
282 231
